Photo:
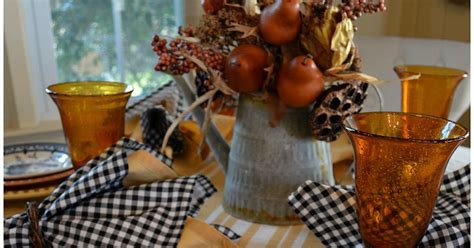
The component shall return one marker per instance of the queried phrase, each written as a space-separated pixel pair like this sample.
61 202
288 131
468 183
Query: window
110 39
48 41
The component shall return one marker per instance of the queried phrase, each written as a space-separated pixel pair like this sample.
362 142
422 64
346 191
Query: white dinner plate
24 161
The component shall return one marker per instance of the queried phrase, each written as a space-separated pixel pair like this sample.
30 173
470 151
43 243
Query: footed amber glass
92 116
432 92
400 160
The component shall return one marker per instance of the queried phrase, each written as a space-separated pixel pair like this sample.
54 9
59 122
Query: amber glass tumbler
432 93
92 116
400 160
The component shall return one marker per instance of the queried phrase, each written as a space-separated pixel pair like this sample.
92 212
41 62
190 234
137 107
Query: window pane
92 44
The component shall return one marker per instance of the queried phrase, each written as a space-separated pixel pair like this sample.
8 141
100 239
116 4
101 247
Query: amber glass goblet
92 116
432 93
400 160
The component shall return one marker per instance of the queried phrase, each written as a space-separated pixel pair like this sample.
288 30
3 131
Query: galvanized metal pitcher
264 165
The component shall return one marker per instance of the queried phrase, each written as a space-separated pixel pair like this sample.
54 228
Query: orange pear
280 23
244 69
299 82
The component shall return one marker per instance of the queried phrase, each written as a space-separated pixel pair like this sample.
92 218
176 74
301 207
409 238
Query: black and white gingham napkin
92 208
330 213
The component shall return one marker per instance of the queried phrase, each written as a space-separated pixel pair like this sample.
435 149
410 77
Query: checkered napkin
92 208
329 212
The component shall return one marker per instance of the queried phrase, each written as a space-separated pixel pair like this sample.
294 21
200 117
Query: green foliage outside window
84 40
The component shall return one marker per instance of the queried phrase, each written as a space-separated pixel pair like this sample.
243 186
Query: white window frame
29 44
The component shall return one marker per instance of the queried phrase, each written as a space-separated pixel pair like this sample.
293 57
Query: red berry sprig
356 8
174 57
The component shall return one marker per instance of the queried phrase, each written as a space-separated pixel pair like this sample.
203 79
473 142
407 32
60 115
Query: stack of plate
34 170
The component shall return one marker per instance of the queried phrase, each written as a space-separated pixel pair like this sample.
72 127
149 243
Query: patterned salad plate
35 162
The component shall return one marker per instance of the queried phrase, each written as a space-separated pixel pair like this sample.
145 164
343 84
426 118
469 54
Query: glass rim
461 73
367 134
128 89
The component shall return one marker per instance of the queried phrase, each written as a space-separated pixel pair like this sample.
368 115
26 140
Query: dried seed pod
334 105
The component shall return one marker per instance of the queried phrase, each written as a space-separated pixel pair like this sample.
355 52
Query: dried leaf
219 82
233 5
357 76
196 61
305 7
341 42
189 39
246 30
337 69
324 32
330 78
251 7
316 38
321 56
413 77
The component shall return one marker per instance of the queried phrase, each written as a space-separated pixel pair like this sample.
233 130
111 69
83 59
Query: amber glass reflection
400 160
92 116
432 92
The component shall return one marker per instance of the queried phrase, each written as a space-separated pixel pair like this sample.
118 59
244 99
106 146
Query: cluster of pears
299 81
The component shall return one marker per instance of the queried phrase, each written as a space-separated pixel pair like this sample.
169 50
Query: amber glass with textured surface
400 160
92 115
432 92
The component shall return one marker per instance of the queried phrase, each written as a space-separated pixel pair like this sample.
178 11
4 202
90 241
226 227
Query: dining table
255 234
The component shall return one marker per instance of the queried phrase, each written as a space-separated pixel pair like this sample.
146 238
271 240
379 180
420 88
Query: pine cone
155 122
334 105
203 85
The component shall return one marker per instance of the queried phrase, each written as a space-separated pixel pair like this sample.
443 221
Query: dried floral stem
208 96
215 75
220 84
195 60
246 31
270 70
276 108
206 123
333 75
234 5
199 101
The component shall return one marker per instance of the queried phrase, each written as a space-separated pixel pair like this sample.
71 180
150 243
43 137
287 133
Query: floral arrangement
288 53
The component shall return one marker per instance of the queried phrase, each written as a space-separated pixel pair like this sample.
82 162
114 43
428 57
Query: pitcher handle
214 139
379 95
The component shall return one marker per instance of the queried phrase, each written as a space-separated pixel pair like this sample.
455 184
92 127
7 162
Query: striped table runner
258 235
253 235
